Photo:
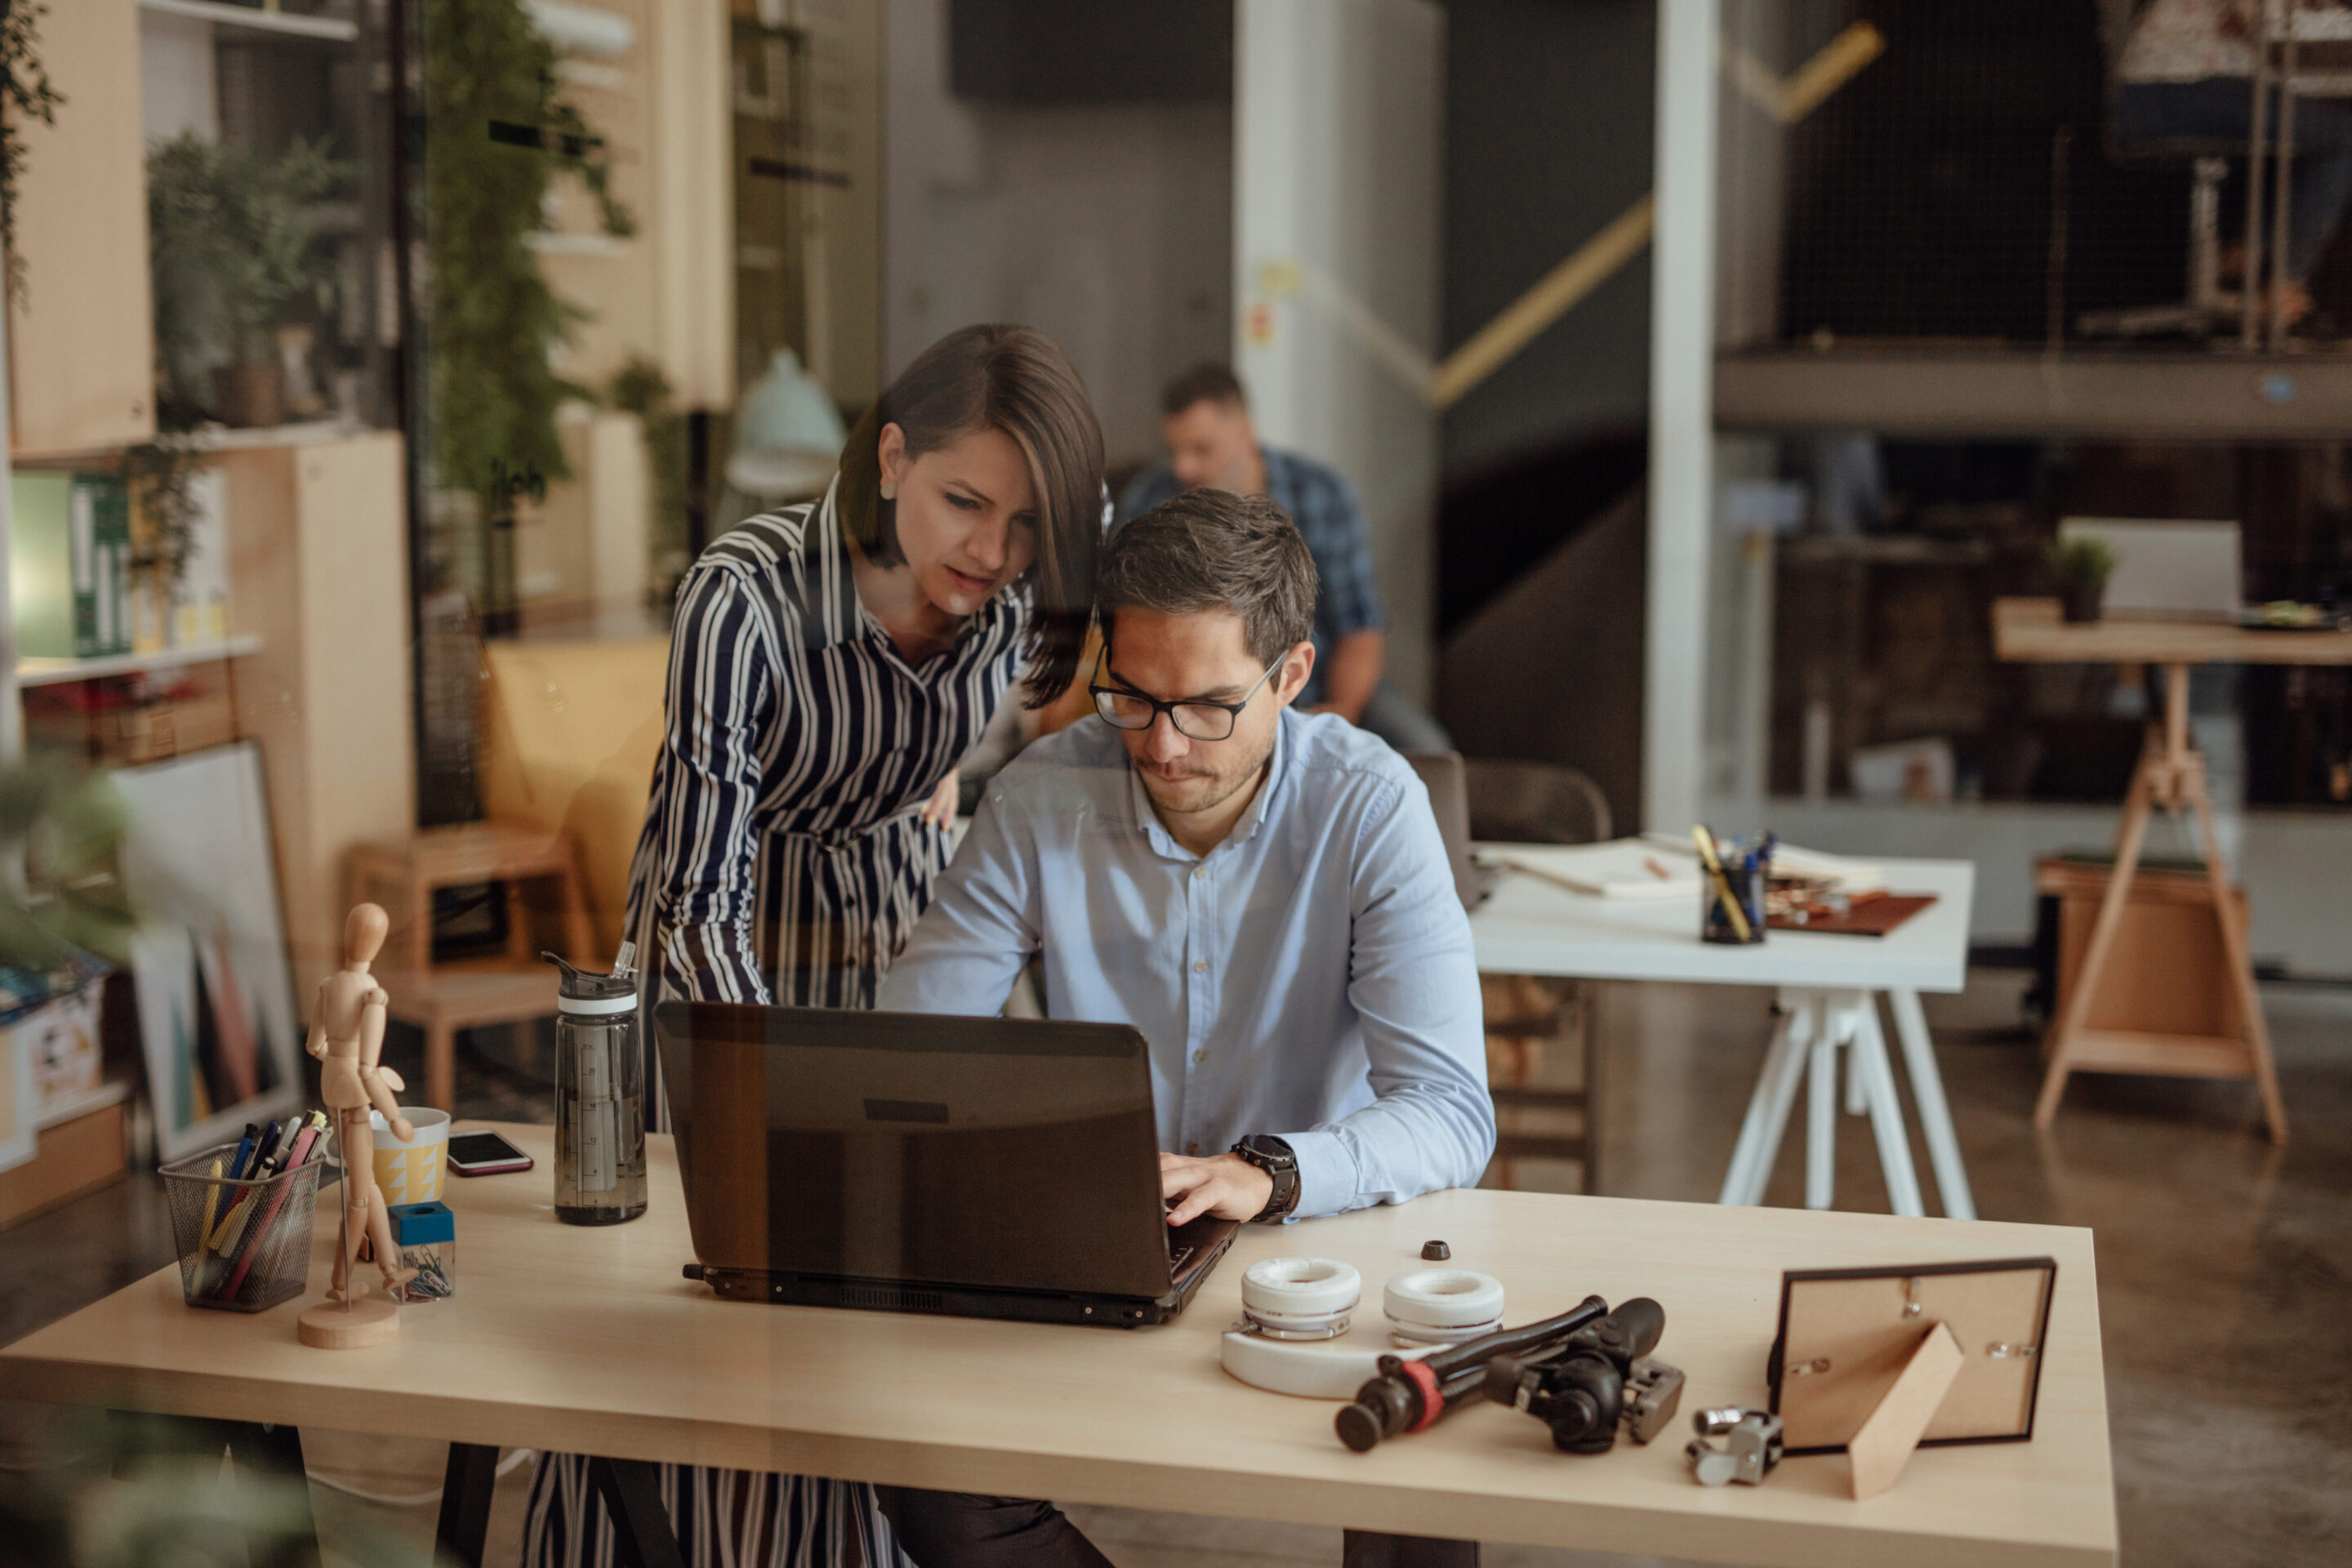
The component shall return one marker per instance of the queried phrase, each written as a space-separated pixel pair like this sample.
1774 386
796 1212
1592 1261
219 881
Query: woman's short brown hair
1016 380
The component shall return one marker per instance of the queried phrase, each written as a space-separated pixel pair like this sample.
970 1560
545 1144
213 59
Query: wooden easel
2172 775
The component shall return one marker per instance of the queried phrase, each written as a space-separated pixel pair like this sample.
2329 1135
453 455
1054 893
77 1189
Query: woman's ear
892 460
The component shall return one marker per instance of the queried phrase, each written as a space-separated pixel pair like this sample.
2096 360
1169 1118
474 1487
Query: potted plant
232 241
2082 567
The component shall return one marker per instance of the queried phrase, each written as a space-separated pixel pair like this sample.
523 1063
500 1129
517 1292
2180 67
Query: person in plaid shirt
1213 445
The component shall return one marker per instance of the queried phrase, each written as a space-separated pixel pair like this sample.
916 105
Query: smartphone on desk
485 1154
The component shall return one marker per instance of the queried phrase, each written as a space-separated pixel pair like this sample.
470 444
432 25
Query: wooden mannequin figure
347 1037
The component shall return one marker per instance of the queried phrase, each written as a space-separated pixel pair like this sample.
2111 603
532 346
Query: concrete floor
2225 1276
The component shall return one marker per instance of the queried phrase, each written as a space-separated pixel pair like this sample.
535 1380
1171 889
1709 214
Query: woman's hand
939 811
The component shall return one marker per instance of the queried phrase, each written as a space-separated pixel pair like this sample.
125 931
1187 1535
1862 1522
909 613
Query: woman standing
828 665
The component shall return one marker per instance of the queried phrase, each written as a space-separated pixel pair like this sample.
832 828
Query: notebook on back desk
978 1167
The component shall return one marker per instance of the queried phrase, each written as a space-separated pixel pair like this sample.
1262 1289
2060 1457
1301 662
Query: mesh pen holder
243 1246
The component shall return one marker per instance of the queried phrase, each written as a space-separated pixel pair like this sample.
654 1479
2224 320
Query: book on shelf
69 565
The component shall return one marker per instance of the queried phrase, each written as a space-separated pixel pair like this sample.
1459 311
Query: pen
244 1148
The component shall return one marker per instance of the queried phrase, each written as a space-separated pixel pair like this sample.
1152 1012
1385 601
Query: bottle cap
582 991
1435 1251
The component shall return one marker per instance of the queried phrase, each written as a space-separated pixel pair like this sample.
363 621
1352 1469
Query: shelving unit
330 28
58 671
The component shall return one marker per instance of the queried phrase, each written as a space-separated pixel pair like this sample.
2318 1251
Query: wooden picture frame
1846 1336
217 1021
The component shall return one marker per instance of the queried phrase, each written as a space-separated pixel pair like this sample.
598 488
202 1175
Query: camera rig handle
1600 1377
1411 1394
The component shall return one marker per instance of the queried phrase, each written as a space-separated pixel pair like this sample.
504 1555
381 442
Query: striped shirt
784 859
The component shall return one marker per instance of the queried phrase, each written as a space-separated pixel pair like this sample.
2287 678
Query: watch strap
1280 1164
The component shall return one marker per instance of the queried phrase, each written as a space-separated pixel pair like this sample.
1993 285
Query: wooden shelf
66 1106
58 671
211 438
328 30
1989 390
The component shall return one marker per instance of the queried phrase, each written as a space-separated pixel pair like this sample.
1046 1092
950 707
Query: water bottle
600 1099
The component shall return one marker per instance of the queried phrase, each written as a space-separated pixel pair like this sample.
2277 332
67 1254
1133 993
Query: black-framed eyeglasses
1197 720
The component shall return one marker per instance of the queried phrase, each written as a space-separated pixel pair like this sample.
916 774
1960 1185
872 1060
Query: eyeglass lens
1194 721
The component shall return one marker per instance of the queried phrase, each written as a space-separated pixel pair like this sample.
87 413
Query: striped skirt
724 1519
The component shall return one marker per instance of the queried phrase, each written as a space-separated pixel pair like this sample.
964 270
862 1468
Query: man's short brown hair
1212 550
1208 381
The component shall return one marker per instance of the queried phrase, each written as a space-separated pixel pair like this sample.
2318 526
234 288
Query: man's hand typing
1223 1185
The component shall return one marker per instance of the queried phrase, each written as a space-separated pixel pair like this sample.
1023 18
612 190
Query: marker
244 1148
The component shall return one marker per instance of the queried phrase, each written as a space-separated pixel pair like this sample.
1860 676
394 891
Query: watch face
1269 1148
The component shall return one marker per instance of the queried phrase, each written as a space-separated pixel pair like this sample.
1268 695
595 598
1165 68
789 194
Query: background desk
579 1338
2172 775
1828 986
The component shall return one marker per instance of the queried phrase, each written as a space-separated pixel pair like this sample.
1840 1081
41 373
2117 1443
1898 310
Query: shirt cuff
1326 1174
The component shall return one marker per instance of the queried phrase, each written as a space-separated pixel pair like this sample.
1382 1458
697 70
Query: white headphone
1293 1307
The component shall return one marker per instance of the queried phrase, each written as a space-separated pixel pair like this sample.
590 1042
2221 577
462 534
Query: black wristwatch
1273 1156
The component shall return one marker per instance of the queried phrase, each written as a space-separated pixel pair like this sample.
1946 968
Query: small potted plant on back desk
2080 566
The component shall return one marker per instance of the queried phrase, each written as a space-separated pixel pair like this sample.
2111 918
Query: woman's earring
889 491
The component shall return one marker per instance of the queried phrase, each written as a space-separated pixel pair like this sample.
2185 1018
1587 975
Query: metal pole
1682 418
2251 286
12 713
2283 158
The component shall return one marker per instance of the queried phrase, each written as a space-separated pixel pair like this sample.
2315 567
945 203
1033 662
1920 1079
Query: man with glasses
1263 893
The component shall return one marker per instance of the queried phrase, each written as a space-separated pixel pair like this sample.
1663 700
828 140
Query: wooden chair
1539 803
404 874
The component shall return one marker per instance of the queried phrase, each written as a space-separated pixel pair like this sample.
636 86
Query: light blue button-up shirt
1311 976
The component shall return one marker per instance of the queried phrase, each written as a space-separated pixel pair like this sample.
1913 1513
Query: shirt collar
1146 820
841 613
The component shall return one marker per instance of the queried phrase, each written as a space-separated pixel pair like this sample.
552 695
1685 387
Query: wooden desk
589 1338
2030 631
2171 775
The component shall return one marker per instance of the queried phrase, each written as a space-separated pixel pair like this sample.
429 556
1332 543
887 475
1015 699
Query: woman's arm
720 704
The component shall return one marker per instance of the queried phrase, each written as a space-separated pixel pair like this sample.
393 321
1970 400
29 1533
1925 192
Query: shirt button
1193 1149
1200 1056
1200 966
1200 871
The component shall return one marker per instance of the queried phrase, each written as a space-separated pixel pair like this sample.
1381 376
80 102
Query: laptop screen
988 1152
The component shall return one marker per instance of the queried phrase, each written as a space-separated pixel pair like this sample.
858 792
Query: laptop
2166 570
1443 774
903 1163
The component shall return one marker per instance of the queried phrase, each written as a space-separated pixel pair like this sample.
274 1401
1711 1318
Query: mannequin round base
339 1326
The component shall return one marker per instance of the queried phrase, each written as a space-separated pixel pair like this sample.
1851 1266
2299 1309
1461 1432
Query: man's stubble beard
1238 781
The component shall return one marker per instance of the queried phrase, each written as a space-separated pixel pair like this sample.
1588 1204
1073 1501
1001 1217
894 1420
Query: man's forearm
1353 673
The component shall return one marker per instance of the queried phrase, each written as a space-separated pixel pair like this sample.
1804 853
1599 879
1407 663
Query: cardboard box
129 720
76 1156
2169 974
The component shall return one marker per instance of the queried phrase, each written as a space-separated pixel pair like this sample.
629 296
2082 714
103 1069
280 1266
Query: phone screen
483 1149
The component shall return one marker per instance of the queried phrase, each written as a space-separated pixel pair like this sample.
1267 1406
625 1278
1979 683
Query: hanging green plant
24 95
161 475
496 132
